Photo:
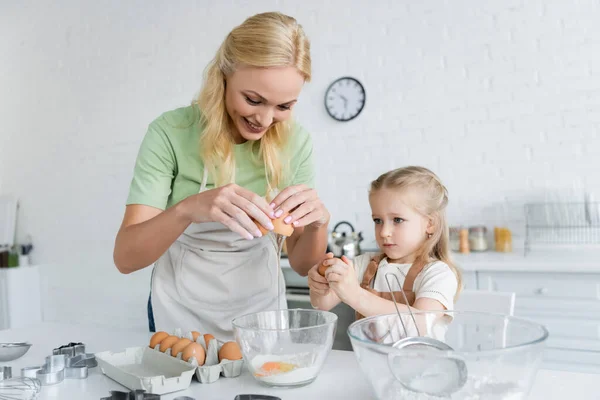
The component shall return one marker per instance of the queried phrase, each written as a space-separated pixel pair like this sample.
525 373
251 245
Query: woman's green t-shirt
168 167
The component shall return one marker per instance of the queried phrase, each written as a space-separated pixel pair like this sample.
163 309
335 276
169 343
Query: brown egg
230 351
194 350
179 346
207 338
322 268
195 335
157 338
280 227
168 342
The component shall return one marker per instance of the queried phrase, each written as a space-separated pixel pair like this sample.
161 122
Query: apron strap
407 287
204 180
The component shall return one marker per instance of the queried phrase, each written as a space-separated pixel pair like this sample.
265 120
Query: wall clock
345 99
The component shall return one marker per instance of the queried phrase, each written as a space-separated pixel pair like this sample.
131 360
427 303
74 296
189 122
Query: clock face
345 99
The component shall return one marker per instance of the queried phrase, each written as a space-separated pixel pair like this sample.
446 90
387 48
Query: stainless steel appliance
297 295
343 243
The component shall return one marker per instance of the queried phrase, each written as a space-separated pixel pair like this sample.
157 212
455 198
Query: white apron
210 275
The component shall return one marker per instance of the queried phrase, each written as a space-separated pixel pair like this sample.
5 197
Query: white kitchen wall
501 98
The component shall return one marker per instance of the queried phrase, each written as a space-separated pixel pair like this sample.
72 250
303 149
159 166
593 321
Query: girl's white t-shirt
436 280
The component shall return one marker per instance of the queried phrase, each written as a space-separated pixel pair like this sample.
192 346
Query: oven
297 295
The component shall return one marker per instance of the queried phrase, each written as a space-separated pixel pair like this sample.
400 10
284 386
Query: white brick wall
501 98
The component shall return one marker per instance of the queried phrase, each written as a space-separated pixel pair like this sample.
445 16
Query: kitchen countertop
340 378
550 260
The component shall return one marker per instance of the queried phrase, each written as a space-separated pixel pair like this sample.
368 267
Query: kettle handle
343 223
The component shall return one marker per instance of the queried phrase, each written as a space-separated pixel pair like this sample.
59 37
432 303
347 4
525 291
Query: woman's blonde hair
431 203
264 40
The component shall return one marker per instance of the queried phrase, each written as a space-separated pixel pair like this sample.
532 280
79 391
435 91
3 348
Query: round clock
345 98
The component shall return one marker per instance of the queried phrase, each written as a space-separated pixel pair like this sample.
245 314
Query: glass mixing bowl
492 357
285 348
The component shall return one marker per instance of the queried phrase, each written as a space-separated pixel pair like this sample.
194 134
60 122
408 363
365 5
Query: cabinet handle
542 291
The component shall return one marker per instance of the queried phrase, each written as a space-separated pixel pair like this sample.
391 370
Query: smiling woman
207 176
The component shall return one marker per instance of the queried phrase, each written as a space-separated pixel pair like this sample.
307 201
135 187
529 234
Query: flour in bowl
282 370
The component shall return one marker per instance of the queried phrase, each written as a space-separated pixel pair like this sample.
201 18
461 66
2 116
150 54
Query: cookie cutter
67 362
138 394
5 373
76 355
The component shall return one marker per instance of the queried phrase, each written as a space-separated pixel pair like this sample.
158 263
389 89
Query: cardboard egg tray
212 368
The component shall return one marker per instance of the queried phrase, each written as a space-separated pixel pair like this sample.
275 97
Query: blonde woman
409 213
203 180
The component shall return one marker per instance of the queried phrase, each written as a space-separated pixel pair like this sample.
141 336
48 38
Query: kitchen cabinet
20 297
559 290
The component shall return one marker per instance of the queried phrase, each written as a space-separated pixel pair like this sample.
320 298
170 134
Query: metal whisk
19 388
443 377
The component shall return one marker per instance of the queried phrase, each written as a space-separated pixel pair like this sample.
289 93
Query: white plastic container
147 369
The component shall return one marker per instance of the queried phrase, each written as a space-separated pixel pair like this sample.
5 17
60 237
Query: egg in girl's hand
322 268
230 351
179 346
194 350
168 342
157 338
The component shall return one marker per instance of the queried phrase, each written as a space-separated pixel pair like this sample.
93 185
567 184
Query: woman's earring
429 235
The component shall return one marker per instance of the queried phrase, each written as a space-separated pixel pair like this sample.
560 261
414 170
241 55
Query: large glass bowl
285 348
498 355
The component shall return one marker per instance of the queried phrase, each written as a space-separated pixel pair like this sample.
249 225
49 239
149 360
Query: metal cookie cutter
67 362
133 395
76 355
138 395
5 373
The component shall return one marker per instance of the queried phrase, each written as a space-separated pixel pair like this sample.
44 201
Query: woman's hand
233 206
342 279
303 204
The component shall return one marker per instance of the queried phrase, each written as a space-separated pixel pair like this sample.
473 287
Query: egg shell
230 351
196 351
279 226
195 335
207 338
157 338
179 346
168 342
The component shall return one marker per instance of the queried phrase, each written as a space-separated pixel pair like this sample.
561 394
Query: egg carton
212 369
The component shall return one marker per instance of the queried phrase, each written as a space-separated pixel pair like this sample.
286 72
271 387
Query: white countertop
340 378
551 260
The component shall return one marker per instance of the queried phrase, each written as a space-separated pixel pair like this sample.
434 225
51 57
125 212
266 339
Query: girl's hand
317 283
233 206
342 279
303 204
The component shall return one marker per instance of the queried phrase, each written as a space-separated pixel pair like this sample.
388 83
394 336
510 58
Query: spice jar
503 238
454 238
464 241
477 238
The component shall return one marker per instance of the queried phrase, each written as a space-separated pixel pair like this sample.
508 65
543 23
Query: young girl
408 207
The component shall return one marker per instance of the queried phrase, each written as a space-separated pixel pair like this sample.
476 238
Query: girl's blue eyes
255 103
397 220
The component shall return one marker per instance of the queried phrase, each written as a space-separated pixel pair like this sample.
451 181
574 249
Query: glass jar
477 238
454 238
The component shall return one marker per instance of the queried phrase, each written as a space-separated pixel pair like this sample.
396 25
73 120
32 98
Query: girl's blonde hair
433 199
264 40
